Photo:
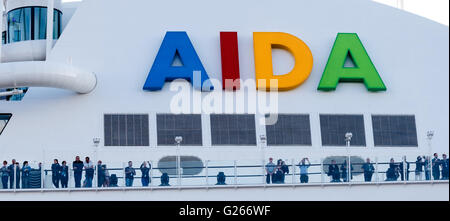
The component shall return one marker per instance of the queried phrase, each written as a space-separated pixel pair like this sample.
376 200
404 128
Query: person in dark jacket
344 170
368 170
14 167
26 175
101 175
444 165
56 173
129 174
145 169
5 174
392 173
284 168
64 174
436 164
333 171
77 166
419 168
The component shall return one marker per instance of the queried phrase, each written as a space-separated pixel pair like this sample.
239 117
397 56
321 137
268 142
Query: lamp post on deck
348 139
178 140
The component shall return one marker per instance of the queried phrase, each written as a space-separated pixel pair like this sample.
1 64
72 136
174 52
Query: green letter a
364 70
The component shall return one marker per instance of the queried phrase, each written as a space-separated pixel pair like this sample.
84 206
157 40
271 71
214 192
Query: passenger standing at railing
392 173
304 170
64 174
270 170
89 168
344 170
427 167
5 174
145 179
419 168
333 171
129 174
14 167
107 177
77 166
56 173
436 165
405 172
100 174
445 169
368 169
25 175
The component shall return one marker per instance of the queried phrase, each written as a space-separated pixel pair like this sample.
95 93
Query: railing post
206 172
377 178
151 174
42 175
235 173
124 175
322 173
293 171
15 177
263 173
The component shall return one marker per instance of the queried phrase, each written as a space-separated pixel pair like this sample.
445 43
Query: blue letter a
176 44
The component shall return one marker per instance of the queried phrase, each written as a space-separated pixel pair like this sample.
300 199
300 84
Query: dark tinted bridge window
394 130
4 118
334 127
290 129
189 126
126 130
233 129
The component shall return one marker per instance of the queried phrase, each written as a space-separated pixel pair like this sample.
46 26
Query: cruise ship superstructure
97 82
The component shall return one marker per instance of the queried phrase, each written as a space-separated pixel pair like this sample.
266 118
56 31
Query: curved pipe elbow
46 74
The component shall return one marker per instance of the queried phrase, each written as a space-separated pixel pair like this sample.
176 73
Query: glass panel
334 127
189 126
394 130
289 130
227 129
126 130
19 25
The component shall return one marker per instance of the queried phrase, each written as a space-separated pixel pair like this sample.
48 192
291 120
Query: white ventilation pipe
46 74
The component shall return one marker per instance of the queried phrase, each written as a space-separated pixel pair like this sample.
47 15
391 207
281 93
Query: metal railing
234 173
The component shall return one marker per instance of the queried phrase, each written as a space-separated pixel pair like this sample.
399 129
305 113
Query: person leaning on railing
26 175
129 174
368 169
333 171
77 166
419 168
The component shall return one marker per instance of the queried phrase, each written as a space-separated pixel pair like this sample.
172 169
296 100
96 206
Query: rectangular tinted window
334 127
290 129
189 126
396 131
126 130
230 129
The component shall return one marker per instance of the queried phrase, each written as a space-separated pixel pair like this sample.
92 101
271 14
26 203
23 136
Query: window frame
9 119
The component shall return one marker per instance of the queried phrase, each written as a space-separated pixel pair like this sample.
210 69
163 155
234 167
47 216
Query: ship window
290 129
229 129
126 130
4 119
334 127
394 130
30 23
189 126
4 37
